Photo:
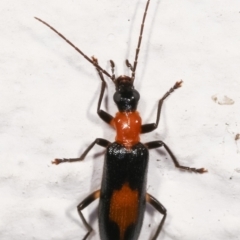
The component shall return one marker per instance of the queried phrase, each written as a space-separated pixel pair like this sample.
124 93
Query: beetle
123 196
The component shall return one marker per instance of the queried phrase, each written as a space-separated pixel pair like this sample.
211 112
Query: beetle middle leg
157 144
88 200
152 126
160 208
99 141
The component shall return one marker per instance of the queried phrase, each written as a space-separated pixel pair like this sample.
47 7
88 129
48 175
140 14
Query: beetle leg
160 208
99 141
149 127
157 144
88 200
106 117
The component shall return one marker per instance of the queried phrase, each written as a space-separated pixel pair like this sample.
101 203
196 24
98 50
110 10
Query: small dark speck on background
237 137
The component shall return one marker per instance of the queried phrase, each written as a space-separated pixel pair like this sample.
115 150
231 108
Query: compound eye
117 97
136 95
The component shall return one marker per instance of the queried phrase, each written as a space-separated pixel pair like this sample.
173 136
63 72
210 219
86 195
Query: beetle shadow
163 154
99 154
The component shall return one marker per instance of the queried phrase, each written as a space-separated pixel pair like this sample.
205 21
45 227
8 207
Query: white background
48 100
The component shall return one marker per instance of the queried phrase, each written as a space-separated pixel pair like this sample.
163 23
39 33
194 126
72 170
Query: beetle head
126 97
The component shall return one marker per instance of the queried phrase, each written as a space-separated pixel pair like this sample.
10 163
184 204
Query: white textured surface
48 104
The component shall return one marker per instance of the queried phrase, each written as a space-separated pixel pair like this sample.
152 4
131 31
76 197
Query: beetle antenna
113 69
77 49
139 43
129 65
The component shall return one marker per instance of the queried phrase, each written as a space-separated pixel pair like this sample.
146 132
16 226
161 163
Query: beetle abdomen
122 200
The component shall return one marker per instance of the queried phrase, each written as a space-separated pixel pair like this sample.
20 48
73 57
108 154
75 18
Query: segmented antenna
77 49
139 43
113 69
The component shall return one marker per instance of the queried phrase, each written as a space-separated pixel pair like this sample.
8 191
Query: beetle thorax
128 127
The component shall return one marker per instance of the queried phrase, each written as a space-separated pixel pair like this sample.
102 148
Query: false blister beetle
123 193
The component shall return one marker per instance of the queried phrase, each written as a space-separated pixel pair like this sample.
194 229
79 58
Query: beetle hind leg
88 200
160 208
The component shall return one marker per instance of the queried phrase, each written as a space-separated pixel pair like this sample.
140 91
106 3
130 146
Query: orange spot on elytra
124 208
128 127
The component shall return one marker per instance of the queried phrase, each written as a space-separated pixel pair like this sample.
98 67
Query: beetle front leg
106 117
99 141
157 144
152 126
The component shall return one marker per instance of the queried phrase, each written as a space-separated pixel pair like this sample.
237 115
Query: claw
178 84
202 170
57 161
